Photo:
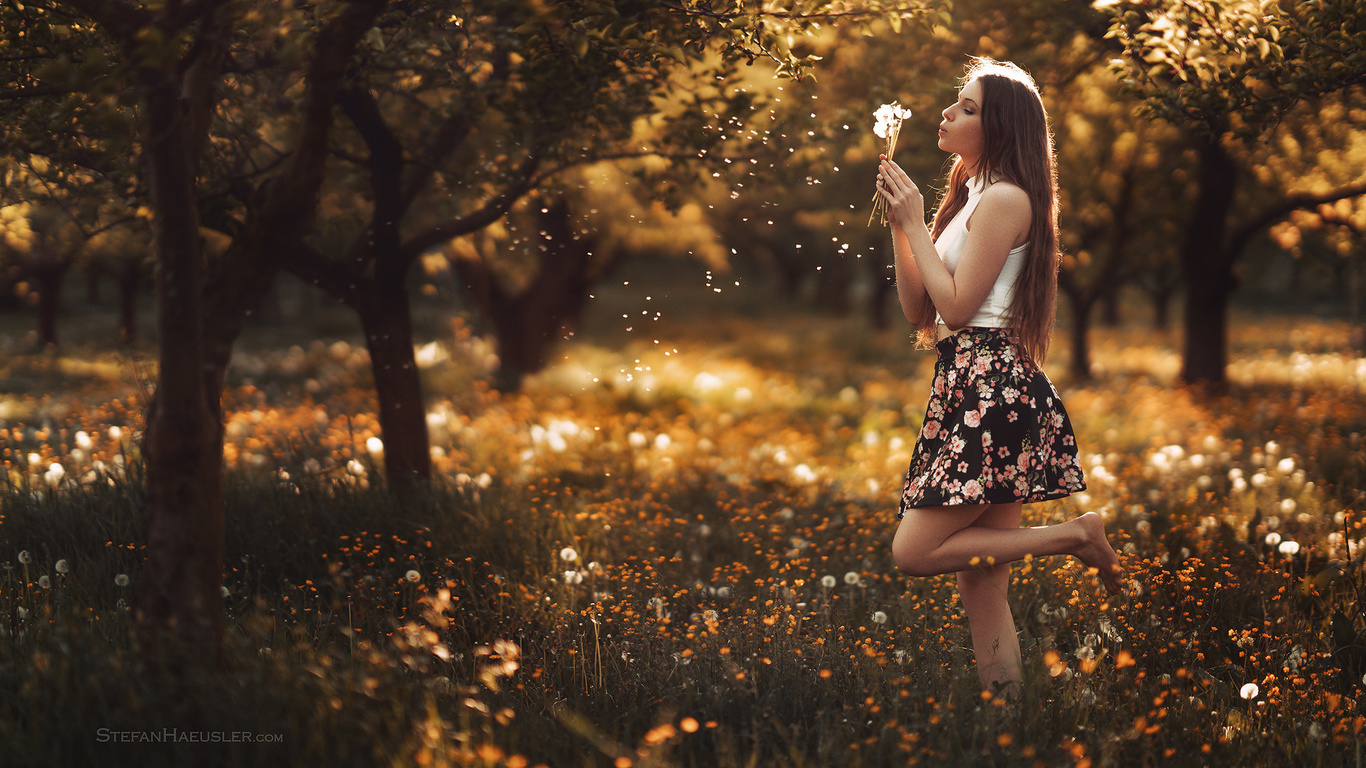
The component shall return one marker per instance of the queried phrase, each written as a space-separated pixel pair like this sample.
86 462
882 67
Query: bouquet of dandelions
888 127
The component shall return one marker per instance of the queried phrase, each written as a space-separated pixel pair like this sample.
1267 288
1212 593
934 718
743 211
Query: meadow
672 549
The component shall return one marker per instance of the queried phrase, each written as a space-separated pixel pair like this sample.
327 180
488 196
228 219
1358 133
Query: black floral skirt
995 430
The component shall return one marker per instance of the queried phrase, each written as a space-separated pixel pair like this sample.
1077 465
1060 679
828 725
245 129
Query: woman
983 285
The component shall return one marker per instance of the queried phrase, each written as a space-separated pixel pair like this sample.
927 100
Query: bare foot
1097 553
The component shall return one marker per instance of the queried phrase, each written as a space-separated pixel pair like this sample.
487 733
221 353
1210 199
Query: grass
675 552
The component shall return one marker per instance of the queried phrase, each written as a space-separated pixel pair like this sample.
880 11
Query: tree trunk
883 287
387 323
833 281
178 611
48 278
92 286
1207 269
1109 305
1080 365
529 324
1162 310
129 281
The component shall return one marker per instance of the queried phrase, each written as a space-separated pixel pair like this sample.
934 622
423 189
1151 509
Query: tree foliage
1242 65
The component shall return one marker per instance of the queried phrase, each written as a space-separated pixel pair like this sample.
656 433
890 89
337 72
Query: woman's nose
946 112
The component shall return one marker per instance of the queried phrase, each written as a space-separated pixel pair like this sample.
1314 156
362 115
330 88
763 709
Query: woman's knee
911 559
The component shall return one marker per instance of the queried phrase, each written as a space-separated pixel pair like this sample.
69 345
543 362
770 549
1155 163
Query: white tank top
995 309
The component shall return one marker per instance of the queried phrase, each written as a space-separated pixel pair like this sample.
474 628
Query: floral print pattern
995 430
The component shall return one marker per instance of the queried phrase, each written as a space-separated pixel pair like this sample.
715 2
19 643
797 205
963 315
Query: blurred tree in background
1230 74
226 115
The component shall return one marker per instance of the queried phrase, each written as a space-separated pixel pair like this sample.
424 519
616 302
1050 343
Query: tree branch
120 18
1275 213
385 161
445 139
294 192
333 278
282 211
31 92
491 211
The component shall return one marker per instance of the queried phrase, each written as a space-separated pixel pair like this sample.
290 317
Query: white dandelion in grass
886 126
851 578
879 617
121 580
1289 547
569 555
828 581
1249 691
44 581
62 567
24 558
412 577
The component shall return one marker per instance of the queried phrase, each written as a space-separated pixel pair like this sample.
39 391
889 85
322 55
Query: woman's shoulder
1005 198
1007 192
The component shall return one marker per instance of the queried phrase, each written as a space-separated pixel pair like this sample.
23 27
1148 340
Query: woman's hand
905 204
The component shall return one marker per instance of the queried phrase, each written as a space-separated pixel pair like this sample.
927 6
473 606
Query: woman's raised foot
1097 553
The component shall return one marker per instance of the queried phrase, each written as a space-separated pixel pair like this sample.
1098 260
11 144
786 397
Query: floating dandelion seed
1249 691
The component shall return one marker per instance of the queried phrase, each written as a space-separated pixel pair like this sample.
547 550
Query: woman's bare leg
983 591
934 540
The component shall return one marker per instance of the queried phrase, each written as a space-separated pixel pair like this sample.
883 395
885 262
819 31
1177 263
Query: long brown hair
1019 149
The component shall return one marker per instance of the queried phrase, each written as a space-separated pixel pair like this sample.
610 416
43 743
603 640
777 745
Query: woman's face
961 130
